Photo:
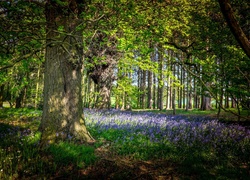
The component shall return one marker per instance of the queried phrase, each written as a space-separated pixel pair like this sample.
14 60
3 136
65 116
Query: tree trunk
62 117
139 88
174 89
104 90
183 89
19 99
1 95
180 88
190 104
226 101
206 101
168 95
37 87
102 54
143 88
160 80
150 101
103 76
154 91
187 92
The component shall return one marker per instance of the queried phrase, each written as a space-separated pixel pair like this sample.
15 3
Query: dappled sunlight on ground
129 145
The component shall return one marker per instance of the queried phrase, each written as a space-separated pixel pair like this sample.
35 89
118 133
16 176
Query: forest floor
111 166
124 168
108 164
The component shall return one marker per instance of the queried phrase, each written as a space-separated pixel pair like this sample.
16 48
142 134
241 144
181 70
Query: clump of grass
67 153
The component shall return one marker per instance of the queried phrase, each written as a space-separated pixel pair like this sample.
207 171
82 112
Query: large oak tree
62 109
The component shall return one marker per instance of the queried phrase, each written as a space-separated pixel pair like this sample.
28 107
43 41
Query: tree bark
104 86
206 100
234 26
62 117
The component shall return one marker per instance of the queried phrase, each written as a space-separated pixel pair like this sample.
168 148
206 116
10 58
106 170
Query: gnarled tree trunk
103 77
102 54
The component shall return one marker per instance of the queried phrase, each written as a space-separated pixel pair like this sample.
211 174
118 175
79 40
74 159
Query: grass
180 111
127 147
21 157
66 153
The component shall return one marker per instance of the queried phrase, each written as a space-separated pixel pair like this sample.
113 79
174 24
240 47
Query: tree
160 78
62 108
102 58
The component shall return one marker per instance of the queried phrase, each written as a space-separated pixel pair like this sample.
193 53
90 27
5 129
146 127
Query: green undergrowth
193 162
180 111
194 111
21 157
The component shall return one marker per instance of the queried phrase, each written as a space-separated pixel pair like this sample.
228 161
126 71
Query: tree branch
16 60
235 28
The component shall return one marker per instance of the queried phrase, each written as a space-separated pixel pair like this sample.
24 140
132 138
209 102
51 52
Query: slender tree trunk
170 88
168 93
19 99
160 81
143 88
37 87
233 105
220 102
139 88
1 95
154 92
195 95
149 104
179 88
92 93
190 99
174 89
226 98
184 91
187 93
62 117
86 91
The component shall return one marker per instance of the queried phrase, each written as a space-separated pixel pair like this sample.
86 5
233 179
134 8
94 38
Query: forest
152 89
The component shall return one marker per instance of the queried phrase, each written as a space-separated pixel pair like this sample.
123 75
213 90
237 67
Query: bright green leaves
61 3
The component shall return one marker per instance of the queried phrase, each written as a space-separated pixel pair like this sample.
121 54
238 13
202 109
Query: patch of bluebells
182 131
9 131
14 131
